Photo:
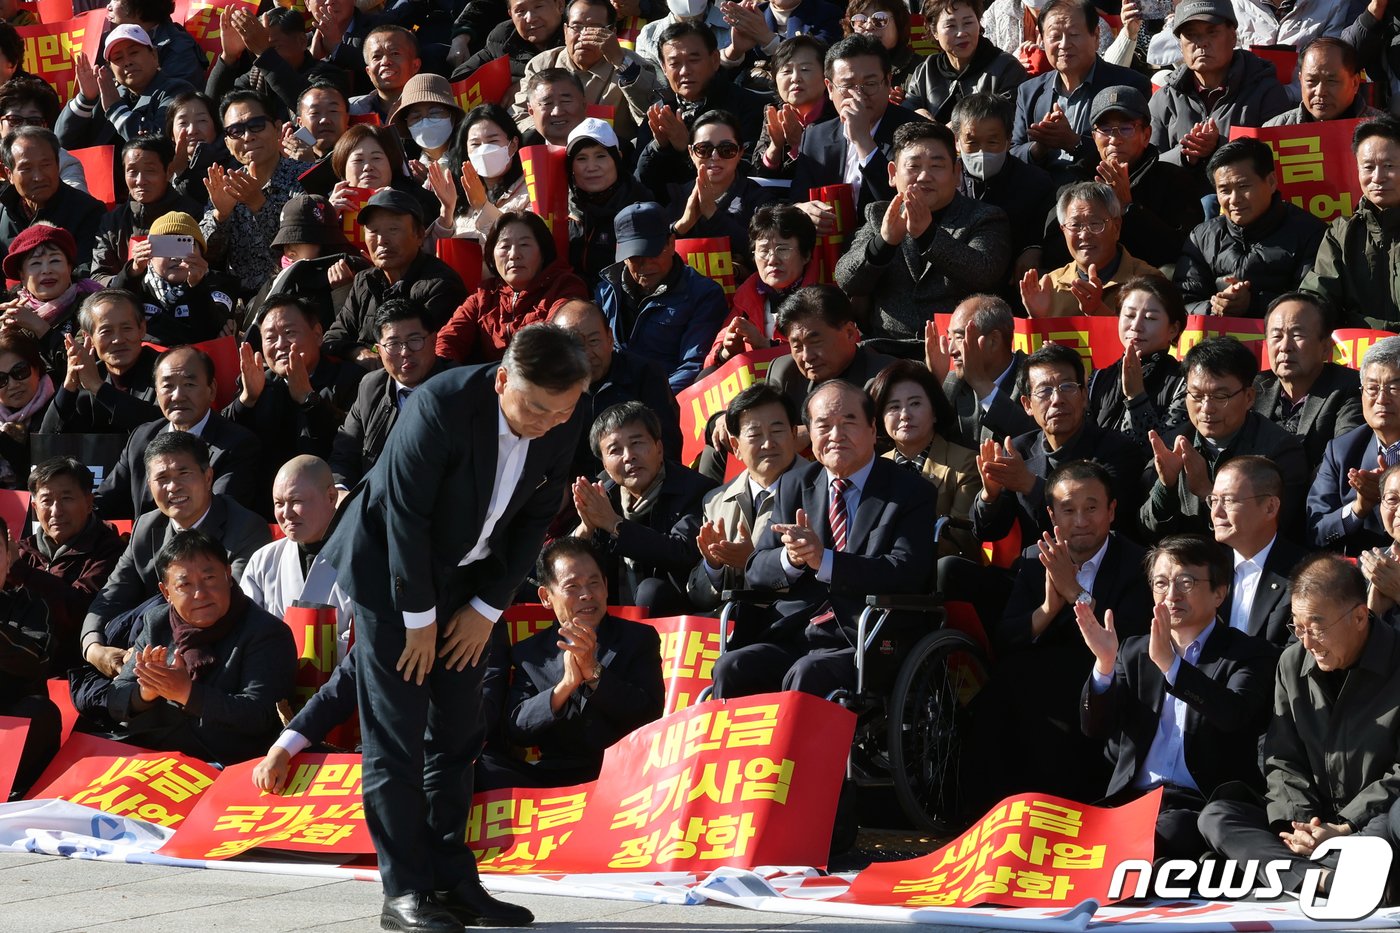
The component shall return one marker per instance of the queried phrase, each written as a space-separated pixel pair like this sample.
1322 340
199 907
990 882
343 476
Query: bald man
287 571
616 376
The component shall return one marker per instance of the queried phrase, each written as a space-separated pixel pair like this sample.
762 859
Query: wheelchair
915 676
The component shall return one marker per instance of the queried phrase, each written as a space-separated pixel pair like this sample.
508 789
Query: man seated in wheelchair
849 525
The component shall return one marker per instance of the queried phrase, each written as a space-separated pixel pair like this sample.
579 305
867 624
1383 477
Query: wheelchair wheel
935 683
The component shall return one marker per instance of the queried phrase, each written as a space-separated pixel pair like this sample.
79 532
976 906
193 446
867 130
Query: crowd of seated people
1157 549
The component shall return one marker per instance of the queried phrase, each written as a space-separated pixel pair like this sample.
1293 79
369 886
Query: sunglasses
878 20
21 372
239 130
725 150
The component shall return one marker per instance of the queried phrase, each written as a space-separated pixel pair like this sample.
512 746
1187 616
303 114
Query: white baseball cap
594 130
128 32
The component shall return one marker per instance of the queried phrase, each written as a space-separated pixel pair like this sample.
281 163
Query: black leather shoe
416 913
473 907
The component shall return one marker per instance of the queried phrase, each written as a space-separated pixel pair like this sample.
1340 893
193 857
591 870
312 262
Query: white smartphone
171 245
305 136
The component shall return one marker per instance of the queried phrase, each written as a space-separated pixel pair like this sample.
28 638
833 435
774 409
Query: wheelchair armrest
753 597
906 603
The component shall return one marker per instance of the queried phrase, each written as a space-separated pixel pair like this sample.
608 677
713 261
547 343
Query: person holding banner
132 96
432 548
1141 692
783 240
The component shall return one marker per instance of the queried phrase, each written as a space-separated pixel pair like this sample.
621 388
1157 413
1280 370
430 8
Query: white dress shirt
1088 572
510 459
1248 572
197 430
854 163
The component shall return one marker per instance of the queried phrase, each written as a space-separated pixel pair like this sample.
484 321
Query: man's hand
580 643
252 373
1101 639
230 42
220 193
987 457
1306 837
821 214
1037 293
164 676
1159 639
1009 470
270 776
1167 462
936 351
1115 174
1198 144
251 30
1133 381
419 650
298 379
858 121
1054 131
917 217
1382 571
719 551
82 364
667 127
245 189
89 83
1198 481
804 548
1088 291
107 660
466 639
1059 568
1234 298
1367 484
594 508
459 51
894 226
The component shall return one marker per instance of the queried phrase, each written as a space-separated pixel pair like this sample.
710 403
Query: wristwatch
1085 598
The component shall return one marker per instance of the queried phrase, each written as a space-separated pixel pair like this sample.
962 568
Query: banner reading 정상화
1032 850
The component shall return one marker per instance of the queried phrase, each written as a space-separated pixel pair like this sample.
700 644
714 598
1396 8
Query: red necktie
839 518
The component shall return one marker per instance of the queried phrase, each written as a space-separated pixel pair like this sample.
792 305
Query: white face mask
490 160
983 165
432 132
687 9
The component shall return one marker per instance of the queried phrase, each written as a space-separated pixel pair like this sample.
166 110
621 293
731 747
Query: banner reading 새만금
708 396
158 787
1032 850
1314 164
51 49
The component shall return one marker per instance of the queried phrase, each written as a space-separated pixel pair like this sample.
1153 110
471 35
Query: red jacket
481 328
750 304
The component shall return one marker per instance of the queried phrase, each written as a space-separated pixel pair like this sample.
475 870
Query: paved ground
40 894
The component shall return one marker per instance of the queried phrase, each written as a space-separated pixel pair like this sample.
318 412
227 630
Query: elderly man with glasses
1329 753
1220 375
1342 512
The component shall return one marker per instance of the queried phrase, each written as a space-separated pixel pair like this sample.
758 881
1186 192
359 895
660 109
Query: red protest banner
689 649
517 830
1284 60
319 810
525 619
601 112
1350 344
54 11
709 395
74 749
224 352
547 182
1033 850
350 217
628 29
487 85
712 257
158 787
921 40
1314 163
50 49
464 256
13 731
830 245
317 639
201 19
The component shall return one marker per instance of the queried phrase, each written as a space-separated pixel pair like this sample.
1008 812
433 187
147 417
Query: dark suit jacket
821 159
133 580
1335 759
360 439
1332 408
397 542
231 715
784 375
629 695
1178 511
889 547
662 544
1271 615
1227 694
1115 451
1035 97
1004 418
1331 522
234 455
110 410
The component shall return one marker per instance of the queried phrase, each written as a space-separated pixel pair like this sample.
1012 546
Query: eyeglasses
1093 226
239 130
1220 398
1065 389
1230 503
1184 583
21 372
411 344
869 87
432 113
16 120
780 253
725 150
1316 633
1120 131
876 20
1373 390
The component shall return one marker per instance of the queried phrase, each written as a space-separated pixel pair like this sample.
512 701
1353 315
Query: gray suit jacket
1332 408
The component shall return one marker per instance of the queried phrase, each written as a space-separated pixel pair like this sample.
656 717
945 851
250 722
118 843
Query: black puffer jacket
1272 254
592 241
